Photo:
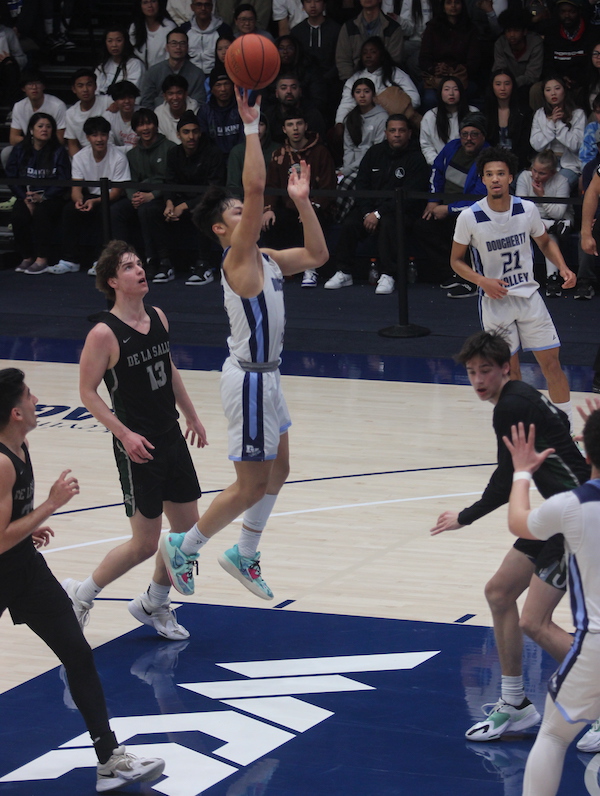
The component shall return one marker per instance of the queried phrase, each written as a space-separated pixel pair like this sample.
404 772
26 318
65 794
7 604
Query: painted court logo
263 712
74 417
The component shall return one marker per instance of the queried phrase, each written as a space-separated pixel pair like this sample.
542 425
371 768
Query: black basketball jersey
22 500
140 384
563 470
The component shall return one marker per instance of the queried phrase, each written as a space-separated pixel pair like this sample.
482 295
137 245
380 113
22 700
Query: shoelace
493 707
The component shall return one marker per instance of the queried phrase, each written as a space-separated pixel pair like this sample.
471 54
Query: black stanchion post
105 196
403 328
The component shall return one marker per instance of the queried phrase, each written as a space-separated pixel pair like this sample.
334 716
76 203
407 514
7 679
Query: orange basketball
252 61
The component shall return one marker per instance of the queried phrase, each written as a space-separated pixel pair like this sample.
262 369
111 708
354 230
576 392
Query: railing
403 328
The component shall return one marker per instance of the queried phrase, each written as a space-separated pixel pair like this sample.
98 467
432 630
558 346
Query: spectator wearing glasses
246 21
454 172
203 30
177 63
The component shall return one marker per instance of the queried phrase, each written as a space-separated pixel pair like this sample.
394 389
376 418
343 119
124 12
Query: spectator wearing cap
177 102
454 172
35 101
177 63
568 40
203 30
124 95
246 21
196 162
219 117
133 220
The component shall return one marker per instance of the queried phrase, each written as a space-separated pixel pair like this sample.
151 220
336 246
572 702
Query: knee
531 625
252 493
143 549
497 596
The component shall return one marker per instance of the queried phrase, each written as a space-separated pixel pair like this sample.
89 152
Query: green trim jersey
500 242
140 384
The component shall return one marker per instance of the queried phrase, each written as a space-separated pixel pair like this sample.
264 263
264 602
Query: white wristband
251 127
522 475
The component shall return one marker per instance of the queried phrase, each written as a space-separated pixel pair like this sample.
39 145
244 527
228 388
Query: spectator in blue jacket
589 148
37 211
454 171
219 117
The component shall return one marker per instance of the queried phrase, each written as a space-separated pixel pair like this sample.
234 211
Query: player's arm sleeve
497 491
559 514
462 230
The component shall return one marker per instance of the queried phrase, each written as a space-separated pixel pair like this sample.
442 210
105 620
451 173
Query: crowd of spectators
374 94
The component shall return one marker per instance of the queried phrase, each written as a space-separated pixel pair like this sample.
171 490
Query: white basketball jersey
257 324
500 242
576 514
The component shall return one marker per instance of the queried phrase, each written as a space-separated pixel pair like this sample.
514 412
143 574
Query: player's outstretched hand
522 449
447 521
299 182
41 537
137 448
248 113
63 489
569 278
592 405
195 433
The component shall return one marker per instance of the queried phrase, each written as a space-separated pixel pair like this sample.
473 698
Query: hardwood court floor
373 464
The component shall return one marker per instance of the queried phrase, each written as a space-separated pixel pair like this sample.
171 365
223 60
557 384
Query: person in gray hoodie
203 30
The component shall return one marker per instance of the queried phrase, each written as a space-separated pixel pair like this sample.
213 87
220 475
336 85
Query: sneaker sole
589 747
232 570
113 783
523 724
138 613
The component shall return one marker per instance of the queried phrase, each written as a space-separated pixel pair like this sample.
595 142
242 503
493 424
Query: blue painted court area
284 703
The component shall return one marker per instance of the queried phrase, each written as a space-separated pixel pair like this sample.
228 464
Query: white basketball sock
513 690
88 590
158 594
193 541
567 408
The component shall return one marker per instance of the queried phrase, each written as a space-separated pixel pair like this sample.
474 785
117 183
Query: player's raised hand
522 449
447 521
63 489
592 405
248 113
137 447
195 433
299 182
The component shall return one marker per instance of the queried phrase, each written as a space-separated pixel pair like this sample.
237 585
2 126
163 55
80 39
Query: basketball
252 61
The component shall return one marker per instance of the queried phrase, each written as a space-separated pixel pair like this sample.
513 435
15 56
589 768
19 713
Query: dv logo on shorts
263 712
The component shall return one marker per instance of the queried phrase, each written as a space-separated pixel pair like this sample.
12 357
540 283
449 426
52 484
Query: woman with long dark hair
449 46
120 62
363 126
376 64
441 124
559 125
508 125
148 31
37 211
